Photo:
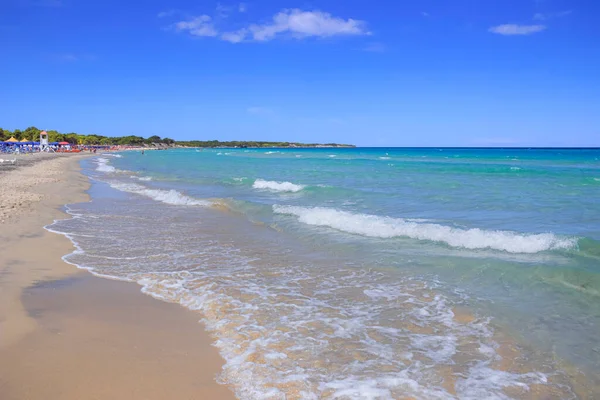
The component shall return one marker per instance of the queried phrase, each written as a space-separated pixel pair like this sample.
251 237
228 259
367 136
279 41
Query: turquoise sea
368 273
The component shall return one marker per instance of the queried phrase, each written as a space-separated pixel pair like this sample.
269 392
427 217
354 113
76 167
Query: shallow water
365 273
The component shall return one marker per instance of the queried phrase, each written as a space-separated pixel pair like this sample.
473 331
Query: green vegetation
252 144
33 134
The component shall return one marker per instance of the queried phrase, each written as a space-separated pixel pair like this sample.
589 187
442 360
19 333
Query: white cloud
425 14
545 17
294 22
242 7
563 13
514 29
302 24
222 11
198 26
234 37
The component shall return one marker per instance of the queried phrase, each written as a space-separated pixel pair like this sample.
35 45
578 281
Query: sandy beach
65 334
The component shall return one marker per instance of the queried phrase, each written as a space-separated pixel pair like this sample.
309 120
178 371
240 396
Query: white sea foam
277 186
141 178
483 382
271 152
309 331
387 227
112 155
384 158
166 196
306 317
103 165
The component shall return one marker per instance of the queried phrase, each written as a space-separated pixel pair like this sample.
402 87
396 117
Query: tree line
252 144
33 134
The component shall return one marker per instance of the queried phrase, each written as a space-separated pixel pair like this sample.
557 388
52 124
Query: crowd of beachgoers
34 147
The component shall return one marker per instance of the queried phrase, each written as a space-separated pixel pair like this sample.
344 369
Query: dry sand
65 334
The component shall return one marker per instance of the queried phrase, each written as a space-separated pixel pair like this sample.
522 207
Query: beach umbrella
63 143
24 140
12 140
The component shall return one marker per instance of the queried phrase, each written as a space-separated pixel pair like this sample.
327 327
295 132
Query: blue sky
379 73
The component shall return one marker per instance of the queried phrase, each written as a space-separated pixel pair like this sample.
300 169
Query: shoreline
66 334
77 336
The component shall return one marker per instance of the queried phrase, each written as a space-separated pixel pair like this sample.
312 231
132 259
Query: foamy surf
387 227
303 336
277 186
103 165
296 321
141 178
172 196
305 332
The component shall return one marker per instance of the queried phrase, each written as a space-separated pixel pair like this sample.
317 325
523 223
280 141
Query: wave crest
103 165
141 178
387 227
172 197
277 186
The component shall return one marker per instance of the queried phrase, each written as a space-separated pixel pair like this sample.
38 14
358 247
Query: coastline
74 335
65 334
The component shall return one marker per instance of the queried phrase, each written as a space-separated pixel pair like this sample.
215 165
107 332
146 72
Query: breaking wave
387 227
172 197
103 166
277 186
141 178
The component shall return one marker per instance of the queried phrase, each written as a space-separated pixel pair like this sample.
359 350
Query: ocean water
364 273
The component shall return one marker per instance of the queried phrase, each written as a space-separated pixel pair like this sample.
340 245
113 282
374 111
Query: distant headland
33 134
255 144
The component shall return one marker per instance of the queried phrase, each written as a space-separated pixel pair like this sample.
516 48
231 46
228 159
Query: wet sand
65 334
